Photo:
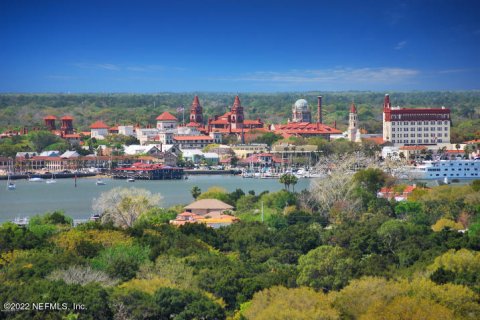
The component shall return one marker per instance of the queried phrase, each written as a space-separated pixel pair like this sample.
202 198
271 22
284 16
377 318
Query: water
32 198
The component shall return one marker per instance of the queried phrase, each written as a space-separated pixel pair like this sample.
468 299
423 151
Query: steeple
237 113
353 132
196 111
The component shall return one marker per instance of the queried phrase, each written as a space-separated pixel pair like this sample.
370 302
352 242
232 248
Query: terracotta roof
66 118
86 133
72 136
219 121
305 128
472 141
377 140
196 102
166 116
353 108
99 125
193 124
114 128
188 138
212 204
50 118
258 121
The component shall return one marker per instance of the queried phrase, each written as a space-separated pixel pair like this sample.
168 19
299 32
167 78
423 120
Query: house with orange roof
390 193
214 213
99 130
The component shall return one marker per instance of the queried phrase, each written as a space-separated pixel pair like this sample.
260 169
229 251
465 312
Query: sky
238 45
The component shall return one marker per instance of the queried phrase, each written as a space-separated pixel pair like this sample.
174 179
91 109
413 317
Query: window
426 128
419 140
412 135
393 129
393 135
445 122
419 134
425 134
439 128
433 128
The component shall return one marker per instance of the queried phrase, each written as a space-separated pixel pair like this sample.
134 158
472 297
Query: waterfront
32 198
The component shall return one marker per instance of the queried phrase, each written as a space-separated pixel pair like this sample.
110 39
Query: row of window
453 169
420 129
412 123
413 141
412 135
452 175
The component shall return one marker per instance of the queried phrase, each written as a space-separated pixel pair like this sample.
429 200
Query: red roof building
415 126
166 116
99 125
233 121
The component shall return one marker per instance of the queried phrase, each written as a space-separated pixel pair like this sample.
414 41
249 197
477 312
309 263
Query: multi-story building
415 126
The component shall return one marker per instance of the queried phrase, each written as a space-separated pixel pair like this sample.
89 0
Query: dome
301 105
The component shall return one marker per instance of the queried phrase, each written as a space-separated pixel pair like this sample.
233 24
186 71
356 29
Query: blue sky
238 46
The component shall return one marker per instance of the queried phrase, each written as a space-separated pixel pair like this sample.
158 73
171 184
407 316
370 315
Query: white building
126 130
166 122
99 130
415 126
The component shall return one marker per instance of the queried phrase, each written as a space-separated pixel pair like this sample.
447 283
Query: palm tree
288 179
195 192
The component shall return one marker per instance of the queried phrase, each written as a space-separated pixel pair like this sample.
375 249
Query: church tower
237 114
196 112
353 132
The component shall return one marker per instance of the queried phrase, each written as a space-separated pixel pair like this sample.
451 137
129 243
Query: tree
283 303
408 308
41 139
326 268
288 179
196 191
123 206
121 261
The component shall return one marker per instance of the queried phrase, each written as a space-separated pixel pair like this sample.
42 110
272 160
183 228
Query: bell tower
196 112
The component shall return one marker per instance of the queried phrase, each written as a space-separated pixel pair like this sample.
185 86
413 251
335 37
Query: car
66 171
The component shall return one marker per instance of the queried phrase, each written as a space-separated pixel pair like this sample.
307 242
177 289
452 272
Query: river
31 198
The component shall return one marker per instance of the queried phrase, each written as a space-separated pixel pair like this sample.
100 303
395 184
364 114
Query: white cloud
98 66
400 45
330 76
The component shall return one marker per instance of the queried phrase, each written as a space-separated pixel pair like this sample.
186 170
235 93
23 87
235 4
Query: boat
131 179
51 180
35 179
445 169
21 221
100 182
10 184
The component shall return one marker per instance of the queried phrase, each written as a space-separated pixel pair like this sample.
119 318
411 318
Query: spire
196 102
237 103
353 108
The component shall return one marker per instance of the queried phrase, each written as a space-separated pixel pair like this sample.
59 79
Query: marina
29 199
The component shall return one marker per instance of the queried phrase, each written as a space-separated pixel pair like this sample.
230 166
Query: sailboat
100 182
10 184
51 180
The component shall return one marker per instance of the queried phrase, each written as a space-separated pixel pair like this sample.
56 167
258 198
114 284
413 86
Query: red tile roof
99 125
50 118
305 128
187 138
66 118
376 140
72 136
166 116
